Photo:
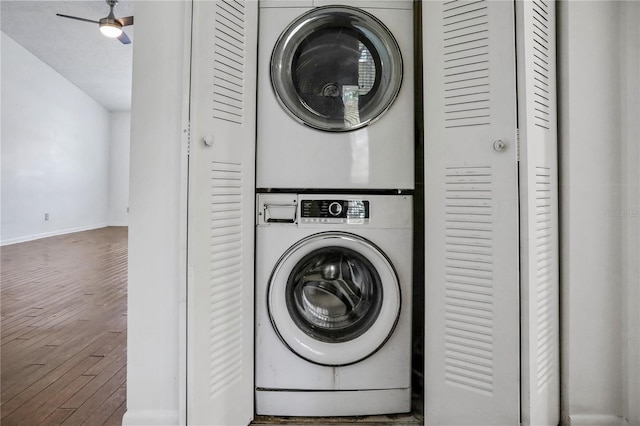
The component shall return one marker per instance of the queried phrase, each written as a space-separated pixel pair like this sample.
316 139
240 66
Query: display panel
335 209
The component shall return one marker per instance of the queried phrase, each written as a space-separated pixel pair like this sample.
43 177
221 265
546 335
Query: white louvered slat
469 293
229 61
541 62
545 300
466 63
226 337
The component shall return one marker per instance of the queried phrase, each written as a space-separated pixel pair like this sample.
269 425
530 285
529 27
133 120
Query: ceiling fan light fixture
110 28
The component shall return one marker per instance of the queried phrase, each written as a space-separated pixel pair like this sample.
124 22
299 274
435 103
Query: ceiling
101 67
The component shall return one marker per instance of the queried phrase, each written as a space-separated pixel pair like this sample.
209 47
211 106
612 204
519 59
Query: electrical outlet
46 216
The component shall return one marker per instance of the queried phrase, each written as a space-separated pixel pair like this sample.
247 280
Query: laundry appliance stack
335 176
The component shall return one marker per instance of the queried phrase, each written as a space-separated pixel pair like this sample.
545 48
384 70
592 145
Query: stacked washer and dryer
335 174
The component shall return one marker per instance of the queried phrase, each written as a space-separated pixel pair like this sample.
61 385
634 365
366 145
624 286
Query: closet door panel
471 211
221 213
539 211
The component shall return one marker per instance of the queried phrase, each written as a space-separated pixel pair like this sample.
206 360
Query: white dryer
335 95
333 304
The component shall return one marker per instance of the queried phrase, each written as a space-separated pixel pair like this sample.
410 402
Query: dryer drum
336 68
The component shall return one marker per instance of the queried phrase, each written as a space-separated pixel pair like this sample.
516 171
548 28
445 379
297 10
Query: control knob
335 208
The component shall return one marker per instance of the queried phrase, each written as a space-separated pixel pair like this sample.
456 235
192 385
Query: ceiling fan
110 26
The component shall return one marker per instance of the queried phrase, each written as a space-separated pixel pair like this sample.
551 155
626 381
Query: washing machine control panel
334 211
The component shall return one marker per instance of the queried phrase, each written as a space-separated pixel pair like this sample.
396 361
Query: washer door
336 68
334 298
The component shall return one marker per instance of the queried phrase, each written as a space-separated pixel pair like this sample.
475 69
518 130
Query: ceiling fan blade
124 38
127 20
77 19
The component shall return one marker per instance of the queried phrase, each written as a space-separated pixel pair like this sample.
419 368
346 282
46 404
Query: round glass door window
334 298
336 68
334 294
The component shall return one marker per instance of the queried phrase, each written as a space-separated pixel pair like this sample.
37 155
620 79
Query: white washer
335 95
333 304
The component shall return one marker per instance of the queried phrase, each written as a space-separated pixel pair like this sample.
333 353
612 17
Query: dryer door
334 298
336 68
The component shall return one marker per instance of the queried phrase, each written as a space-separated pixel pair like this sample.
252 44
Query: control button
335 208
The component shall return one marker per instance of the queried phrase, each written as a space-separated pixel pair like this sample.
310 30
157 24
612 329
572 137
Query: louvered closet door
539 212
471 205
221 219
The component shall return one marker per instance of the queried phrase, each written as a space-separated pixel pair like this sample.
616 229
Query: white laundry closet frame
220 149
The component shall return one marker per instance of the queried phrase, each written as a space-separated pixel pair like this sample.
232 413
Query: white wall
157 224
119 146
55 151
599 255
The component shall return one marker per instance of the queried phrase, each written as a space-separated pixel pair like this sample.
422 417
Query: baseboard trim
596 420
150 418
33 237
123 223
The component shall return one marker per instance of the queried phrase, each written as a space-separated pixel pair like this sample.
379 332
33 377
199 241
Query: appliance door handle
280 213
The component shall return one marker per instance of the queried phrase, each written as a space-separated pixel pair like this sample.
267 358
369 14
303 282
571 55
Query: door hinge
517 144
187 136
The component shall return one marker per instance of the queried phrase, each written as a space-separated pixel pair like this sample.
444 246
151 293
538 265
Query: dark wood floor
63 333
